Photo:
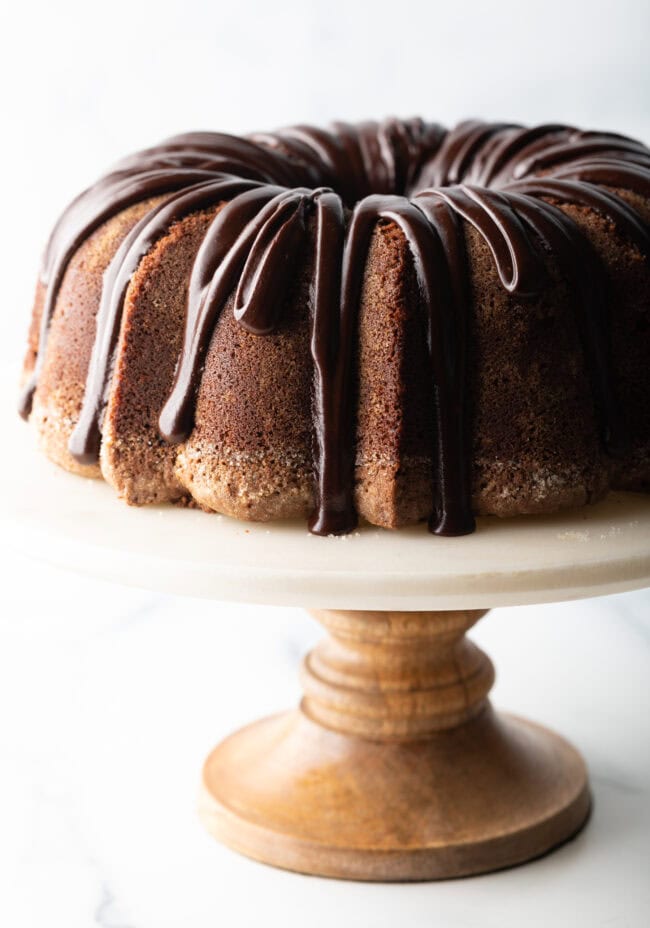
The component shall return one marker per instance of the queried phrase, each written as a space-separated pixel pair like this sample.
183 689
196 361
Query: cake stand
395 766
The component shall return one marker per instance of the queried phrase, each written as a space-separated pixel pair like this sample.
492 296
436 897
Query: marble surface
111 697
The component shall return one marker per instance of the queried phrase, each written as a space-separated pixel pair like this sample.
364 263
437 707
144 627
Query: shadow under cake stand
394 766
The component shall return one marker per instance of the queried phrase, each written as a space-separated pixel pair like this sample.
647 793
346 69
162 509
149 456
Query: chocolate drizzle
331 351
275 193
86 438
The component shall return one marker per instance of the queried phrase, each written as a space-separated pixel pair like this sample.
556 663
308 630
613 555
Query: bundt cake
389 321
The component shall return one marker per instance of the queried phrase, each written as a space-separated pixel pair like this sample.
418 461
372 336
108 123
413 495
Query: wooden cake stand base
395 766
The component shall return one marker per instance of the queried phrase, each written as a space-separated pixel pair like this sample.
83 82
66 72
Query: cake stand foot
395 766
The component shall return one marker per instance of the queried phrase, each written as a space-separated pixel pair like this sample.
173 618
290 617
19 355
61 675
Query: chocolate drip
84 217
445 328
224 154
331 346
85 440
579 264
457 153
577 147
494 164
518 264
274 191
611 173
448 309
220 260
566 191
265 277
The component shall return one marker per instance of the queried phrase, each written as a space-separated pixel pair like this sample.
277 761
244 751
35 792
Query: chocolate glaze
278 192
86 438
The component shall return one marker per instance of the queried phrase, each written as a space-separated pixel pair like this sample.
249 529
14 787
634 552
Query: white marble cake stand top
80 524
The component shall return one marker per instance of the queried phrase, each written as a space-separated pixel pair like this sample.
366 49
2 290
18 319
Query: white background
109 698
82 83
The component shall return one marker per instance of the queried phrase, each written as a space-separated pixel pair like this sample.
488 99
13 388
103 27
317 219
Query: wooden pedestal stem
395 675
395 766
